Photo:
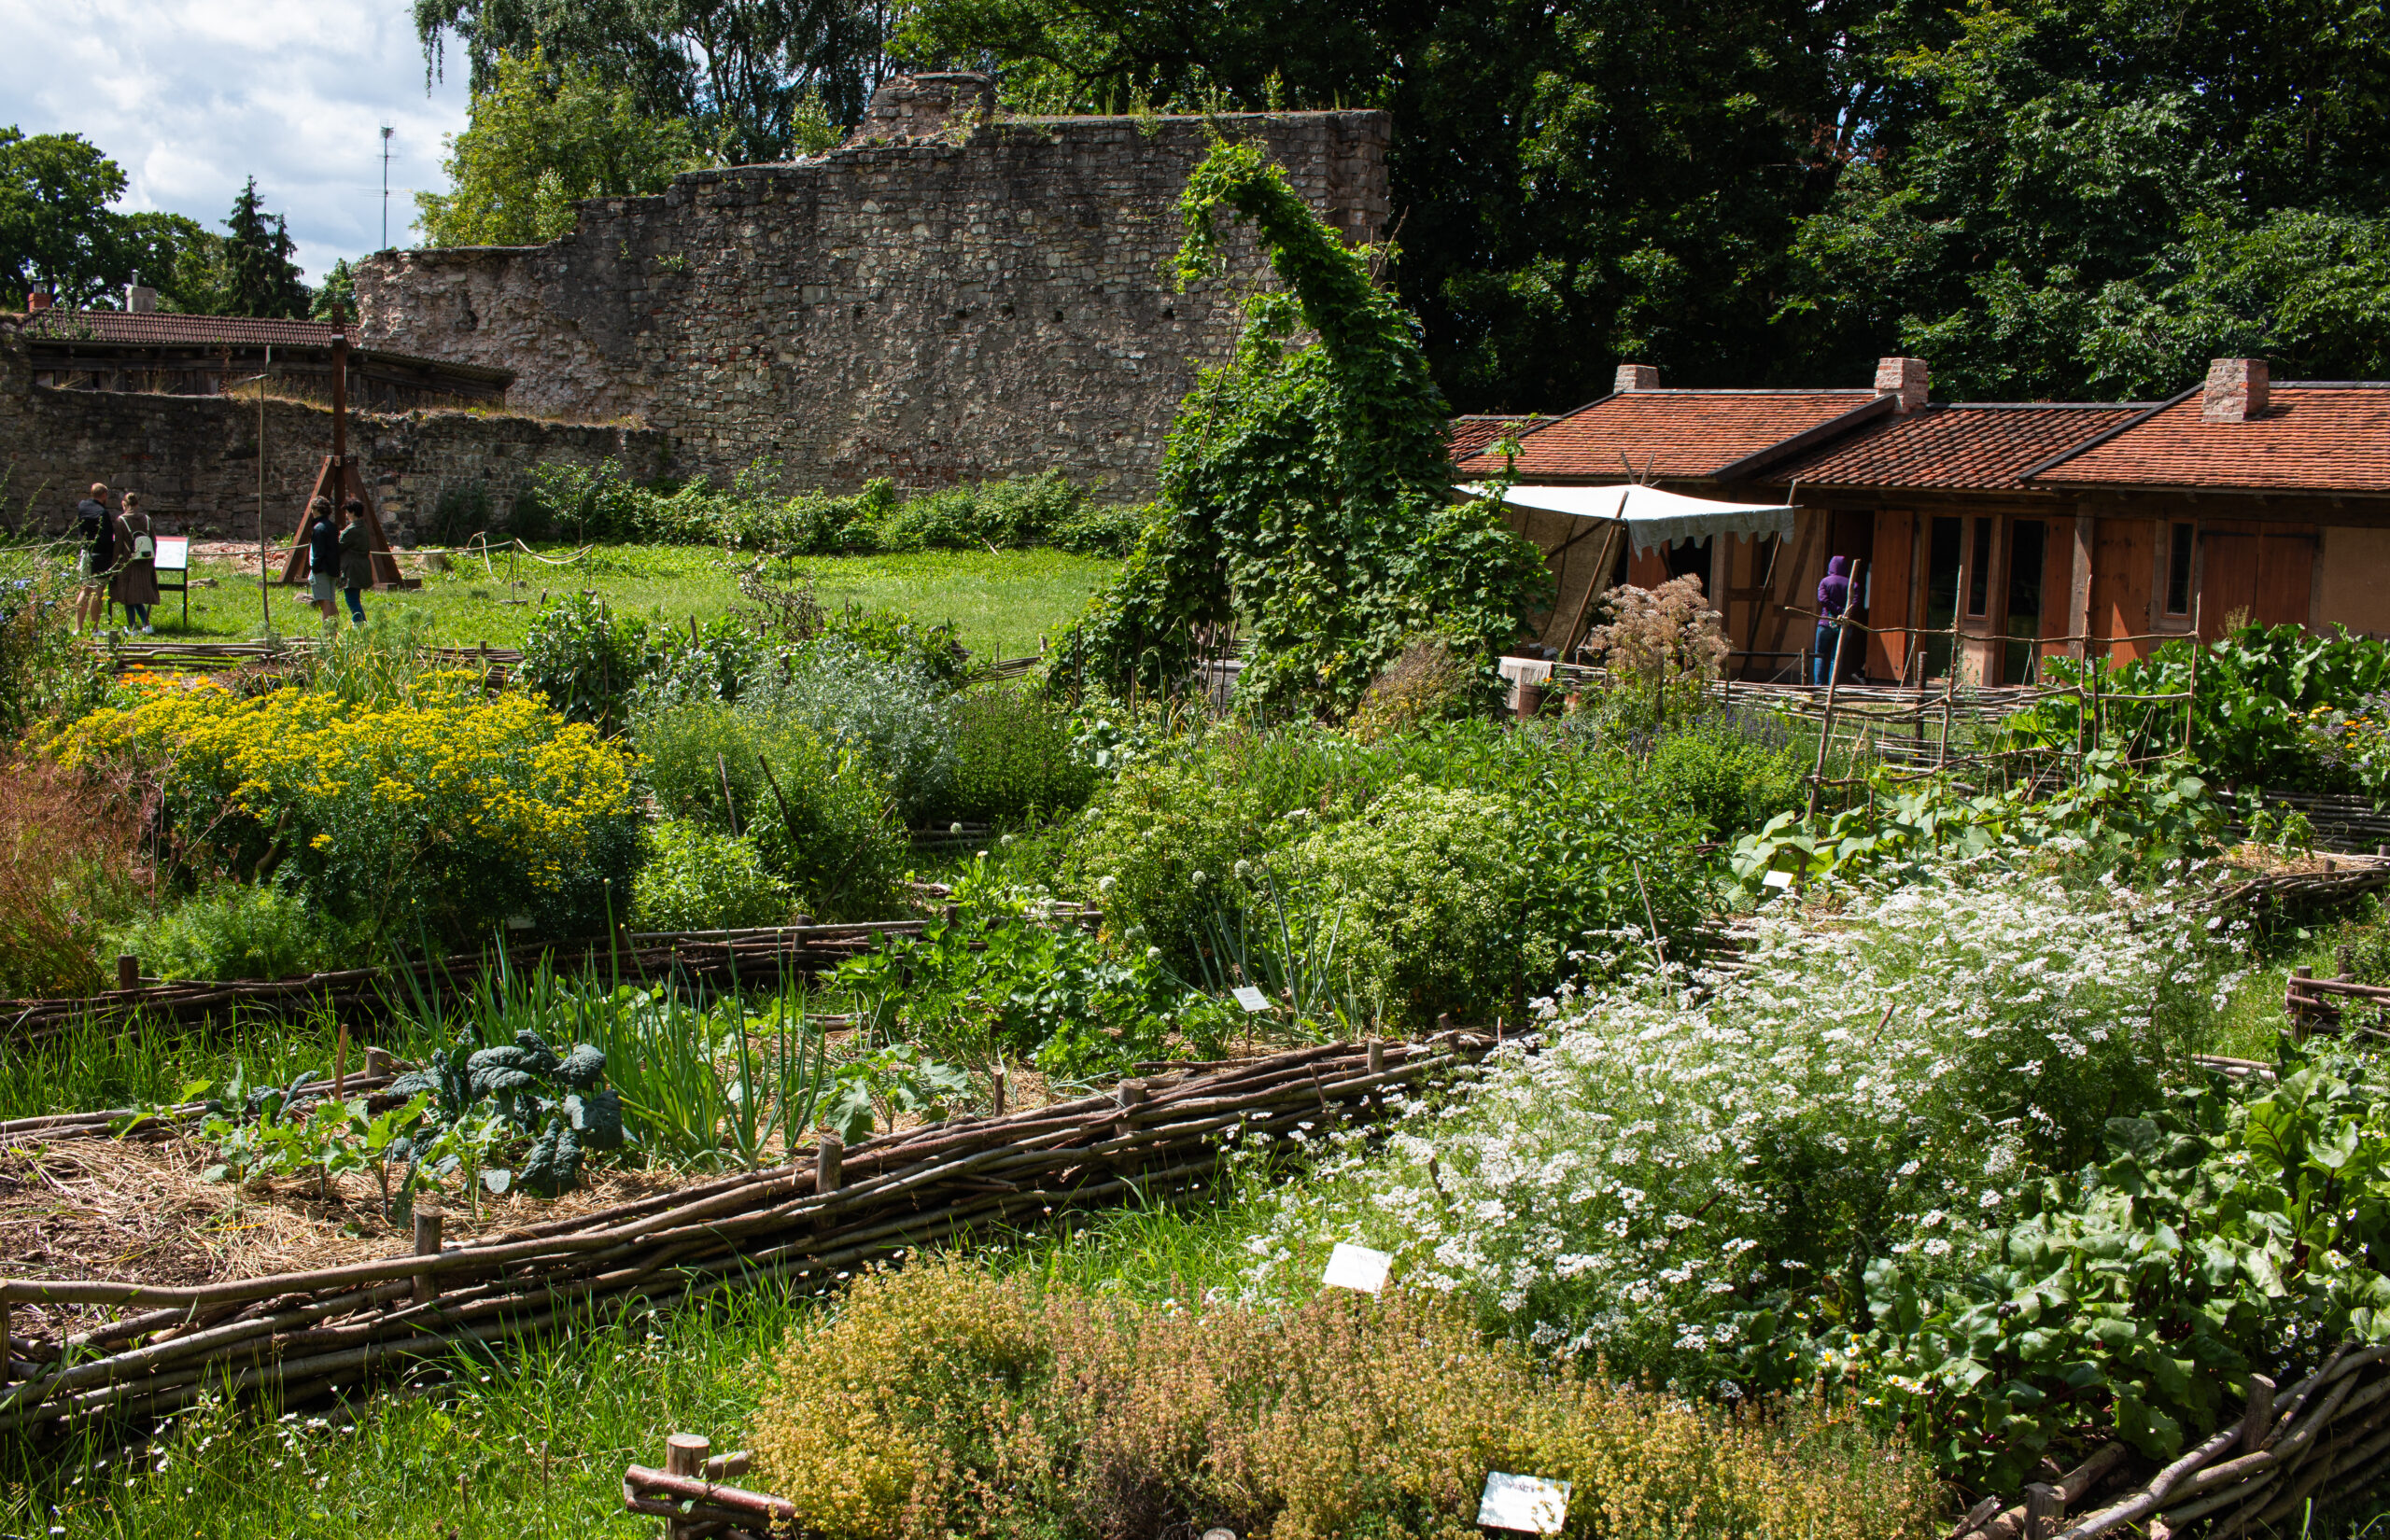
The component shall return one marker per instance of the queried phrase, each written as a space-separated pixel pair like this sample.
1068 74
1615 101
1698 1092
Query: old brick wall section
194 458
983 300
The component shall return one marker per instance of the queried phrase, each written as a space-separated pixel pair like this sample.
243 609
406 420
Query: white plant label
1251 998
1528 1504
1777 879
1357 1267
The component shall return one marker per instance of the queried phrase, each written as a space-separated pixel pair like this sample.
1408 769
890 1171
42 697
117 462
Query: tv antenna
386 132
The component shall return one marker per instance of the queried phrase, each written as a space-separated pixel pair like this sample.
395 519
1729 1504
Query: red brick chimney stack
1904 380
36 300
1637 377
2235 390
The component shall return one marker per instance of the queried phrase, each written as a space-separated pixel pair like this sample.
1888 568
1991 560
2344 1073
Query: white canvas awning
1653 518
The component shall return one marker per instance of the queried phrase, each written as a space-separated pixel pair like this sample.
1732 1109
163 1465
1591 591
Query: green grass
1001 602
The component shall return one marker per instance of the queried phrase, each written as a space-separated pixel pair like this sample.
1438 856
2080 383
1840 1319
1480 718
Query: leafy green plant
586 659
891 1083
233 930
558 1103
696 879
1015 757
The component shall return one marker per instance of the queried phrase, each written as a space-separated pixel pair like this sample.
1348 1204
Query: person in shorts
356 557
135 581
323 558
97 530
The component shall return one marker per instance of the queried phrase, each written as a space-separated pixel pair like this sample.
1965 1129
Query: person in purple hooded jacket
1833 599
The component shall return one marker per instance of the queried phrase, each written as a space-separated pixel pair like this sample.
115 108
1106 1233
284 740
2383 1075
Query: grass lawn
1001 602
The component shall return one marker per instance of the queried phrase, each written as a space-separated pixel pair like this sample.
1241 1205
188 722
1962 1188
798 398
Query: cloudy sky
191 97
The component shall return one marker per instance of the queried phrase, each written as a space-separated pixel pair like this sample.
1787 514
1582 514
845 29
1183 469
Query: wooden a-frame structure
338 480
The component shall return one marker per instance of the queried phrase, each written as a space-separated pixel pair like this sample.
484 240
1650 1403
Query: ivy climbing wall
946 297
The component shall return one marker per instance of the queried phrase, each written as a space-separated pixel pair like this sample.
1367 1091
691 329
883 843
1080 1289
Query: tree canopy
541 136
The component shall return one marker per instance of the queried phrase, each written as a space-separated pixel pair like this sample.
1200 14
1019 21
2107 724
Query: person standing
134 584
356 557
97 531
323 557
1834 603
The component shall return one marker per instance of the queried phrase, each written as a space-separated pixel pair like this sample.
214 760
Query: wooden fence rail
829 1209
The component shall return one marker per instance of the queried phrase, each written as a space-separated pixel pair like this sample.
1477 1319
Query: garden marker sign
1528 1504
1250 997
1357 1267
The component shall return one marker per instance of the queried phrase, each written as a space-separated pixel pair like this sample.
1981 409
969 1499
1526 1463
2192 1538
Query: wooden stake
2042 1505
340 1062
427 1243
128 971
1377 1056
1129 1094
2258 1419
827 1158
684 1454
996 1088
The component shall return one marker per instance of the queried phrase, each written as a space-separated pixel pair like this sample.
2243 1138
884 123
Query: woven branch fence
2324 1440
202 657
712 956
832 1208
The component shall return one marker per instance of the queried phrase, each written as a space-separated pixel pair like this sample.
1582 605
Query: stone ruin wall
946 297
194 458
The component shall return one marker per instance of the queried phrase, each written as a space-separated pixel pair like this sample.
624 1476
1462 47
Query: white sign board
1777 879
1251 998
173 553
1528 1504
1357 1267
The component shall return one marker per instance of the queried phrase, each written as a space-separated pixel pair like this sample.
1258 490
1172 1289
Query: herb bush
1693 1185
881 712
1015 756
1733 772
695 879
942 1400
236 932
442 813
820 815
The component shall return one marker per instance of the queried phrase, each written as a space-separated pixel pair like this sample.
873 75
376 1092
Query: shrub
942 1400
893 637
1156 848
586 659
1428 680
819 818
68 871
1694 1186
881 712
1730 777
450 810
696 879
234 931
1015 756
1111 530
1661 645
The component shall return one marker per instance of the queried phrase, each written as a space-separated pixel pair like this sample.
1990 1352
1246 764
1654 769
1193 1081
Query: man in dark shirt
97 531
323 557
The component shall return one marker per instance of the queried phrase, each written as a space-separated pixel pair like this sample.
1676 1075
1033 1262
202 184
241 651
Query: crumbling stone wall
944 298
194 458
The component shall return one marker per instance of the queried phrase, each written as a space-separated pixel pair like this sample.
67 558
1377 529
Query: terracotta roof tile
2313 437
1969 445
1466 435
1674 434
122 325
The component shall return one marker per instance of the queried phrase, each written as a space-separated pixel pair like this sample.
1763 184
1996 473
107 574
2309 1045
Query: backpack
144 547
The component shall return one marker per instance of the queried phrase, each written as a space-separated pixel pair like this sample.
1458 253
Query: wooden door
2264 572
1889 579
2124 557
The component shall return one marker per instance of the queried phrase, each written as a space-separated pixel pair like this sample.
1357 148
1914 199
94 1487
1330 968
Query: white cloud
191 97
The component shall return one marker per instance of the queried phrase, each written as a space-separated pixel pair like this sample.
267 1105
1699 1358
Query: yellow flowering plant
443 809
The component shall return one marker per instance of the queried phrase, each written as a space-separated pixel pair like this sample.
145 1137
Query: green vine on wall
1306 488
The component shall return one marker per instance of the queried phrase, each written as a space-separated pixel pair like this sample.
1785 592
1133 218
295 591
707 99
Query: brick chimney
925 103
139 298
1904 380
2235 390
1637 377
36 300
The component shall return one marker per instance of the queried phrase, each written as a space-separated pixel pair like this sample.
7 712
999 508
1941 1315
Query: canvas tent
1578 530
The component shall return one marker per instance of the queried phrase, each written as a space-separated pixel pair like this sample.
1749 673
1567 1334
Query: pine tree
259 277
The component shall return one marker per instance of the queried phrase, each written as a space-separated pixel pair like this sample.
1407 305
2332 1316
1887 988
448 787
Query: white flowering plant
1690 1177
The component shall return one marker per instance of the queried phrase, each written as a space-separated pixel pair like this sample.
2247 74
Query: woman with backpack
135 584
356 557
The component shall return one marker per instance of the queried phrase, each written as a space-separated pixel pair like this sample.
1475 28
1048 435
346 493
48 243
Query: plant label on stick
1528 1504
1357 1267
1777 879
1250 997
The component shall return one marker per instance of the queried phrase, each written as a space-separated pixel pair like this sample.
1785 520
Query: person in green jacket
356 557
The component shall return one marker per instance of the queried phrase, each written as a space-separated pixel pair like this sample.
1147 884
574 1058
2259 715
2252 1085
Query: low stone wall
194 458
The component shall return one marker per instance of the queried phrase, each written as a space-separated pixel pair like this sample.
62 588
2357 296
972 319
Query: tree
737 72
56 229
540 137
336 295
258 276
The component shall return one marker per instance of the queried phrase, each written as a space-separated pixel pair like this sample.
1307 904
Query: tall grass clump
70 868
1696 1185
945 1400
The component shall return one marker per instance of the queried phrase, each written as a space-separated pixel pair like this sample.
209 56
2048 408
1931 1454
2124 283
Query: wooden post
128 971
2043 1507
2257 1420
684 1454
427 1243
1377 1056
1530 701
827 1158
996 1088
7 1343
1129 1094
340 1062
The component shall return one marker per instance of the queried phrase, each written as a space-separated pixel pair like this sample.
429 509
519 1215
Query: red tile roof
1468 435
124 326
1969 445
2315 436
1682 434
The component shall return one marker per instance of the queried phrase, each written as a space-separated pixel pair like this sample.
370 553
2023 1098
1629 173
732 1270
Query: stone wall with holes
194 458
946 297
